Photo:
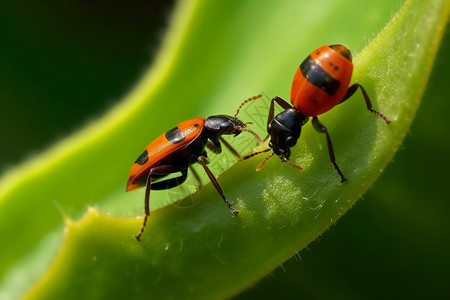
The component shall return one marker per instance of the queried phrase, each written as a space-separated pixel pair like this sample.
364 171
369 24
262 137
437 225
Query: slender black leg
203 161
170 183
319 127
230 148
214 147
271 112
352 89
195 174
217 148
160 170
281 103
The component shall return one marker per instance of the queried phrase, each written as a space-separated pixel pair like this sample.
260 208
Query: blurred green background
63 64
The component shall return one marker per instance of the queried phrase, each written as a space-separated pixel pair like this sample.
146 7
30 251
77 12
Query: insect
180 147
320 83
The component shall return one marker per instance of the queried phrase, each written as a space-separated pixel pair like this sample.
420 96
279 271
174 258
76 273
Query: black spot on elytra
315 74
335 67
143 158
175 135
196 126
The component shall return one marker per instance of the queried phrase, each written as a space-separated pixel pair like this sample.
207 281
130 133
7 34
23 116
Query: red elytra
160 149
311 100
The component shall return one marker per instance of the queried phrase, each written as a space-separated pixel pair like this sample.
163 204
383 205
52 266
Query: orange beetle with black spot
320 83
177 149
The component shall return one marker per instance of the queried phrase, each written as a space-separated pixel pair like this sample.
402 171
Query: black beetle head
223 124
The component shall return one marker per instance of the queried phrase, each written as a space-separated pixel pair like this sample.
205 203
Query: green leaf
216 54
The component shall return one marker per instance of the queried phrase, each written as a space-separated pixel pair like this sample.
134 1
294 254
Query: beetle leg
217 148
319 127
230 148
160 170
352 89
170 183
271 112
281 103
196 176
214 146
203 161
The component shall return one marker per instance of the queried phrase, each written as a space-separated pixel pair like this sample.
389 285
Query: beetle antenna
246 101
263 163
285 160
255 153
251 132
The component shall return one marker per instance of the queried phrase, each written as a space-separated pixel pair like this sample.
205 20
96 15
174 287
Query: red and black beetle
320 83
180 147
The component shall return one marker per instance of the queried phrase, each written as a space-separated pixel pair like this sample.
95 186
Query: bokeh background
65 63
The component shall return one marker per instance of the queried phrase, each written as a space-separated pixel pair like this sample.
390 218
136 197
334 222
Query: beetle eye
269 129
291 141
270 144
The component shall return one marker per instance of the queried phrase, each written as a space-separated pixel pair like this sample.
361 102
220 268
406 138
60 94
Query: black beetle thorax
287 122
284 131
